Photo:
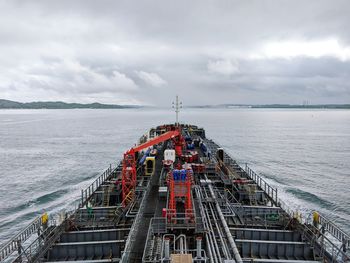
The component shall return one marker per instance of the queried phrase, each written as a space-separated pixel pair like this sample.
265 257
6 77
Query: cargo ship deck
179 197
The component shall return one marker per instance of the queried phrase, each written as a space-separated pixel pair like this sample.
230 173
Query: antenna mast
177 105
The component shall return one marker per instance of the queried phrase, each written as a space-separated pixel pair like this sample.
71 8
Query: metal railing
13 245
326 249
233 205
134 228
40 245
148 246
159 225
86 194
269 190
182 220
16 244
290 211
335 231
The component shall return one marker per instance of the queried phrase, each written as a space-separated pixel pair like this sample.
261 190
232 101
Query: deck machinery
179 197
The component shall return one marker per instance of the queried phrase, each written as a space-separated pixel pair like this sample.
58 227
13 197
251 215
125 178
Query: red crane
129 161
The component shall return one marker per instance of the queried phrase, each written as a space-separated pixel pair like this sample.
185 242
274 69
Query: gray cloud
210 51
152 79
223 67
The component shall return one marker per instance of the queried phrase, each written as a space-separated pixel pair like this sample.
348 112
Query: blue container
190 146
183 175
176 175
188 139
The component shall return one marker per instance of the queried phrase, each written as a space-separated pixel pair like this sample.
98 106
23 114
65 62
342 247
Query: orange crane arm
161 138
129 163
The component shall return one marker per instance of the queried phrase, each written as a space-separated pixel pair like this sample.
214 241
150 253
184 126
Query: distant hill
276 106
8 104
316 106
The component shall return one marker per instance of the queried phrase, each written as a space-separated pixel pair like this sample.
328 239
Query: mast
177 105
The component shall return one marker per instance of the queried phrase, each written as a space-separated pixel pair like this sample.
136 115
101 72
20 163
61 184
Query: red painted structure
180 188
129 161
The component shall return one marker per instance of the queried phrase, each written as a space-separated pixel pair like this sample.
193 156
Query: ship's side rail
41 244
315 236
15 243
326 248
335 231
36 234
272 193
87 193
268 189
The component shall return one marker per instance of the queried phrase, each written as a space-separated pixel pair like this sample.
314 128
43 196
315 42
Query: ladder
107 194
128 198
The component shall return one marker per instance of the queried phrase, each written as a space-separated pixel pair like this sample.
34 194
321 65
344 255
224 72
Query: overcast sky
146 52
